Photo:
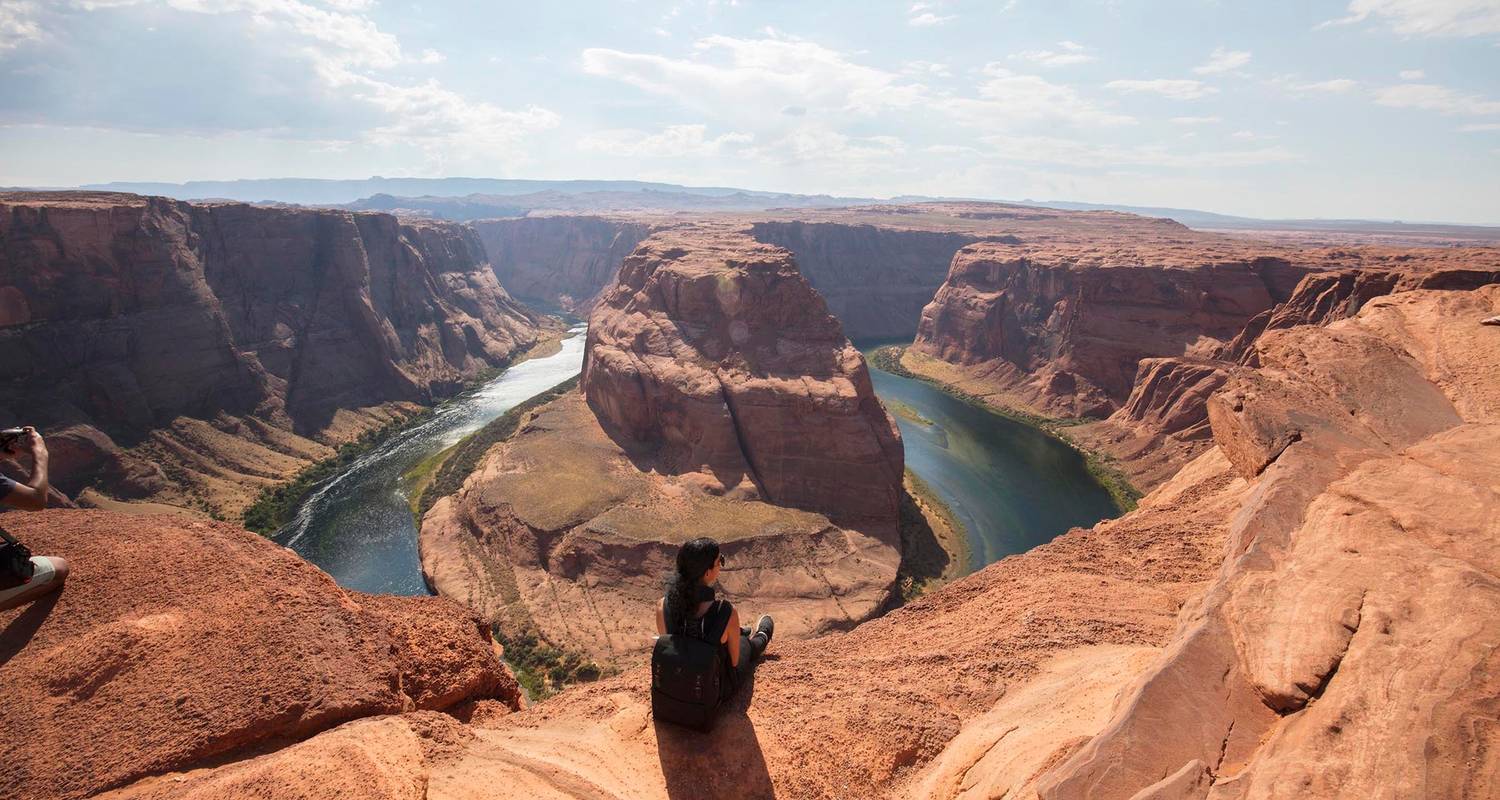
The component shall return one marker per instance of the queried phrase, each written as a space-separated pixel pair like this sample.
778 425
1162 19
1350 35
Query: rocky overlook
223 346
182 645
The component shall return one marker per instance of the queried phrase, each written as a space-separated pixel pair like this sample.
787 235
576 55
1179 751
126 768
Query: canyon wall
559 261
719 398
876 280
232 342
1164 421
1060 329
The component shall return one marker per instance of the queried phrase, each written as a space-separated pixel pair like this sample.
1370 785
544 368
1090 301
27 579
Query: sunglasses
721 560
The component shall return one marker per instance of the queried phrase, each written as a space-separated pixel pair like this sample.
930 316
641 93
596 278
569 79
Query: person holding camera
24 577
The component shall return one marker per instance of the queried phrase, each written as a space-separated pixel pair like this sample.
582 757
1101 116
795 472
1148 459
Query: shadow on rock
16 635
726 762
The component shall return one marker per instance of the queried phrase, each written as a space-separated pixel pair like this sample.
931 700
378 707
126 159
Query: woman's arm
661 617
732 637
32 495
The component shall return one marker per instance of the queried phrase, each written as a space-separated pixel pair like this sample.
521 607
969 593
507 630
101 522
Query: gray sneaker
48 574
764 627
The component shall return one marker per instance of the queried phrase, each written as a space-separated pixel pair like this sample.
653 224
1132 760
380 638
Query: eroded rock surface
182 330
562 260
177 644
712 354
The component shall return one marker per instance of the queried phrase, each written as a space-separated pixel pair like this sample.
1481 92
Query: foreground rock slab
177 643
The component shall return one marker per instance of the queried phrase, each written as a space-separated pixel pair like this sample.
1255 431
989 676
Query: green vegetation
906 412
277 505
453 466
934 543
544 670
1099 465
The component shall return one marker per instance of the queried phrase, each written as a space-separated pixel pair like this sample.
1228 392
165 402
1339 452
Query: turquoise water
358 527
1011 485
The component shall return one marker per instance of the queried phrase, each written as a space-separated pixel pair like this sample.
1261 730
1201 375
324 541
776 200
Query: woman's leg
750 652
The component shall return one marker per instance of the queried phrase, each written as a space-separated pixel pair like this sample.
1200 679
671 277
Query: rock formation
1061 329
1164 421
712 354
177 645
722 400
876 279
563 261
230 344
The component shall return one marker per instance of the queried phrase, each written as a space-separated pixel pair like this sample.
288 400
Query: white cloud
1223 60
1479 127
762 75
1462 18
1196 120
673 141
1297 87
1006 97
1072 153
1177 89
18 24
927 19
927 69
1412 74
1431 97
343 60
1066 53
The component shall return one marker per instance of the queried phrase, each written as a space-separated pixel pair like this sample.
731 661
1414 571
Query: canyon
718 398
1302 604
193 354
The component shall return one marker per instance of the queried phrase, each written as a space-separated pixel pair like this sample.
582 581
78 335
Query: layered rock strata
1061 329
562 261
876 280
180 644
231 344
1164 421
719 398
712 354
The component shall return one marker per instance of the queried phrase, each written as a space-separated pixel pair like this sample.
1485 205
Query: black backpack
687 675
15 561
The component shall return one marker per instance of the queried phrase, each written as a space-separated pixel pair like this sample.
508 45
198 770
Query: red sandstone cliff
712 354
563 261
191 327
178 645
1062 328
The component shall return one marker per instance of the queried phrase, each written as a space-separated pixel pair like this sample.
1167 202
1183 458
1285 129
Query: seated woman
690 608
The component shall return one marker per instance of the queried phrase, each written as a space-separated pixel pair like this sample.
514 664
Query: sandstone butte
718 398
1308 608
194 353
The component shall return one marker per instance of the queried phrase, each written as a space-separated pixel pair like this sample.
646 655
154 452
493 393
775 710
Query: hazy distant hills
479 198
317 191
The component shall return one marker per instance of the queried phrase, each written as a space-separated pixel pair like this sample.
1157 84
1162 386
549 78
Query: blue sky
1347 108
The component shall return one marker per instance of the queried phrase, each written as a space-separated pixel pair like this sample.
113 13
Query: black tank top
709 627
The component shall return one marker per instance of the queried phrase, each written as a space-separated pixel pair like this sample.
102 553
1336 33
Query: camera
9 437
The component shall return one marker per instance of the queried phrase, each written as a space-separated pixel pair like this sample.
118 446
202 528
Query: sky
1385 109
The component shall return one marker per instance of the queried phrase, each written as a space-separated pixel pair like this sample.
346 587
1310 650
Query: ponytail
694 558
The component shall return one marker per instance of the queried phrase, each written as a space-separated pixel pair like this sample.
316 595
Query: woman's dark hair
696 557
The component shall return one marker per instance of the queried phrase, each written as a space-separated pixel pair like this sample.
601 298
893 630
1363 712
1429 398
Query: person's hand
34 441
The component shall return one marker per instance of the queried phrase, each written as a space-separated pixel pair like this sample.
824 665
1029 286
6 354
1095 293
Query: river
358 527
1012 486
